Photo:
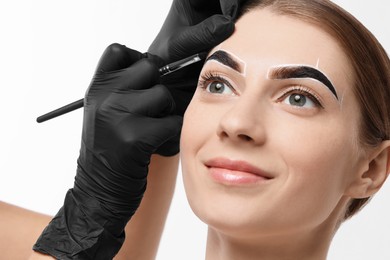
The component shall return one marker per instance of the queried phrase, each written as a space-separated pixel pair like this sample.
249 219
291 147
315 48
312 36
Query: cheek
194 124
195 132
317 159
198 138
200 124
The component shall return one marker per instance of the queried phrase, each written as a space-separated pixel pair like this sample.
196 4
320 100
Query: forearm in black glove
127 118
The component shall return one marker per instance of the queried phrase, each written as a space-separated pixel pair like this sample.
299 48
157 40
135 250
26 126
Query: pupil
298 100
217 87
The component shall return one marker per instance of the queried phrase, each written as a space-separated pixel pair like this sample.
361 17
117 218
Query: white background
48 52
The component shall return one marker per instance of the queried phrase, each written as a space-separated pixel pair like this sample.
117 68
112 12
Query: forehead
263 39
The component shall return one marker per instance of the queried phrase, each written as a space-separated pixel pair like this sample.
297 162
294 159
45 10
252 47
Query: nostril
223 134
242 137
245 137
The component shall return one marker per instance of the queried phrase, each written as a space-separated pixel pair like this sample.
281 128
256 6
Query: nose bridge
244 120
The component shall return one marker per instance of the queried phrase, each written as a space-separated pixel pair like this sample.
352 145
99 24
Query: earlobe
373 174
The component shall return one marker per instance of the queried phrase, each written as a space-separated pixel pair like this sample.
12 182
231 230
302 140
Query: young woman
287 134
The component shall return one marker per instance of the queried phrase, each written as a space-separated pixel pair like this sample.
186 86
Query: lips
234 172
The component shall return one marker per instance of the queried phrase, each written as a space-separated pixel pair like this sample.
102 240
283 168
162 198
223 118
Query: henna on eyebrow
226 59
287 72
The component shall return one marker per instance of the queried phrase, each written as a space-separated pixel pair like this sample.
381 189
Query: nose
244 122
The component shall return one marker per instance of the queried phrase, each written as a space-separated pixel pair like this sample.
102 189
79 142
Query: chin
229 210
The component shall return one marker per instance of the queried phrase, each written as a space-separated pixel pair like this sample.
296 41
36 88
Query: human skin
309 158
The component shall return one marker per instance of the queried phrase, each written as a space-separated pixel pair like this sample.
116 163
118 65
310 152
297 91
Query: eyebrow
226 59
288 72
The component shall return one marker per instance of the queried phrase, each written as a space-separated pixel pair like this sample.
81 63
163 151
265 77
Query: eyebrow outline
226 59
302 71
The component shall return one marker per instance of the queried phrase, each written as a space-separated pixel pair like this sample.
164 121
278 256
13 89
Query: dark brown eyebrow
226 59
288 72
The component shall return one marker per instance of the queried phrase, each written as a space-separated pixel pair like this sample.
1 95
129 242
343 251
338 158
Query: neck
304 244
222 246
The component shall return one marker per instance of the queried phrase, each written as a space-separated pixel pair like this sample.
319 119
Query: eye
298 100
301 97
218 87
216 84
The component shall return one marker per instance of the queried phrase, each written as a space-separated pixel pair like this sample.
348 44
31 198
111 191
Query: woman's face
269 141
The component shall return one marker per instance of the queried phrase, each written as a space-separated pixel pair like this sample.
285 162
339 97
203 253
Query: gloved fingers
212 6
170 147
182 93
157 60
169 127
153 102
231 7
200 3
142 136
141 75
117 57
204 35
225 7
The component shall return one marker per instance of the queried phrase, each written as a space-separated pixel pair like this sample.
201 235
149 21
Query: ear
373 173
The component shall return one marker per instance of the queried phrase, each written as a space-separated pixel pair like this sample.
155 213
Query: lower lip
231 177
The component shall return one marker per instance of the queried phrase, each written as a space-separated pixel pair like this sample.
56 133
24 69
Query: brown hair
369 61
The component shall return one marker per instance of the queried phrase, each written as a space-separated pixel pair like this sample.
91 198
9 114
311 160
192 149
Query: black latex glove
192 26
127 117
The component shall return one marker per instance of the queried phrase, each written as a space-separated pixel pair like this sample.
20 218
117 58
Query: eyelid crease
209 76
301 71
303 90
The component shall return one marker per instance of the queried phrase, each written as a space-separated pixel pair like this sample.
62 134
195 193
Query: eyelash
304 91
211 76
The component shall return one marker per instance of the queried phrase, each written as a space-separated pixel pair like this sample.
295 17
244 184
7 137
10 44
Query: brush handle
62 110
172 67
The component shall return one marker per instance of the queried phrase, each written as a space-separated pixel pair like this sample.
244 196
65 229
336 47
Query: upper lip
236 165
